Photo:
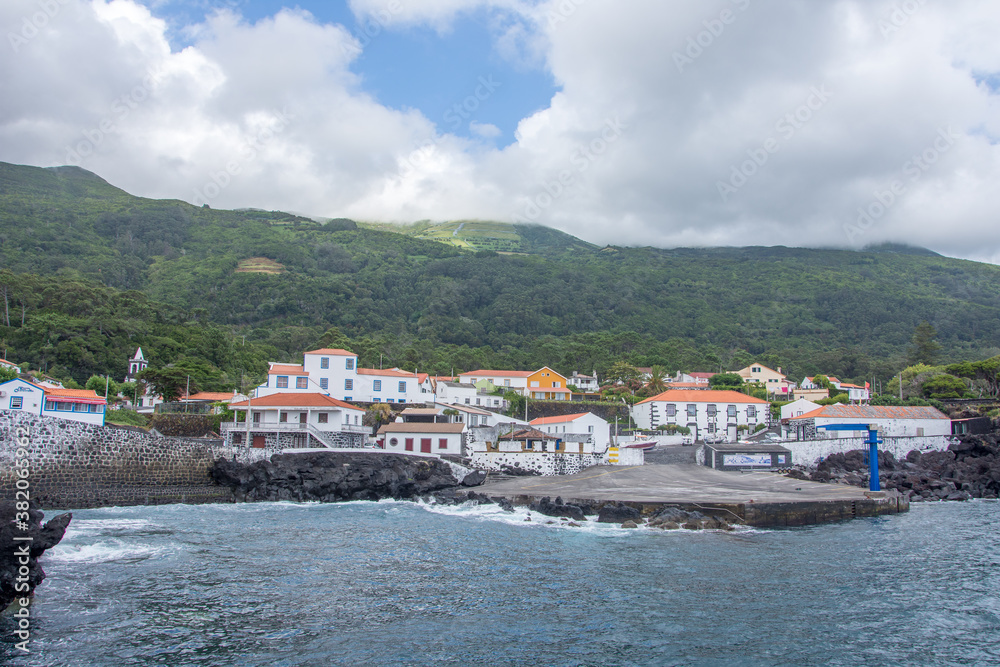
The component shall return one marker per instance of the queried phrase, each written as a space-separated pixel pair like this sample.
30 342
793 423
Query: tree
7 374
656 384
944 387
622 372
823 382
925 346
726 381
100 383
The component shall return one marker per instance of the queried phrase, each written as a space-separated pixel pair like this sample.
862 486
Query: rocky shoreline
967 469
20 571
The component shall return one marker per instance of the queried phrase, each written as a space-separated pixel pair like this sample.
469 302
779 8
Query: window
393 441
322 418
442 443
282 382
324 383
474 420
409 444
466 401
528 444
920 430
402 387
350 364
534 383
751 411
355 420
15 402
590 429
731 411
283 417
755 369
301 383
692 410
324 362
712 410
349 385
376 399
256 418
377 385
671 410
479 401
506 383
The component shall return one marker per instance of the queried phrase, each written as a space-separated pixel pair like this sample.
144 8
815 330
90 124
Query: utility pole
900 385
107 383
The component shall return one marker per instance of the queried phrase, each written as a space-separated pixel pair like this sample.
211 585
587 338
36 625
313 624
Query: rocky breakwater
22 542
969 468
334 476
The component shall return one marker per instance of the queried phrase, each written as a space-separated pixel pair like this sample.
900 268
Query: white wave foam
101 552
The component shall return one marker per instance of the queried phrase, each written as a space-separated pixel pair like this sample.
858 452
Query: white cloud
659 103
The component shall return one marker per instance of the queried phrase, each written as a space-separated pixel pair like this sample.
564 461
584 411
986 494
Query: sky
811 123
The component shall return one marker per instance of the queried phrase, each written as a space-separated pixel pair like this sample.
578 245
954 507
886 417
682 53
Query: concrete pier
761 499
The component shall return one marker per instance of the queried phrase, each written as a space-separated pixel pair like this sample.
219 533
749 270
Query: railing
294 426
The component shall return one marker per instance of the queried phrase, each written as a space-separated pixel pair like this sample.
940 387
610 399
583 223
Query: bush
126 418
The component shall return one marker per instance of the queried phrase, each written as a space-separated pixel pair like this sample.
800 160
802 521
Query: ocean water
397 583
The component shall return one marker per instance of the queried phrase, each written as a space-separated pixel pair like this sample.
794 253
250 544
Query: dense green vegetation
92 272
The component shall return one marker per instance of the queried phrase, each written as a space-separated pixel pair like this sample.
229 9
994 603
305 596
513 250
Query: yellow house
774 380
546 384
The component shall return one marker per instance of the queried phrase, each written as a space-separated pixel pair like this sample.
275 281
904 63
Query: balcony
294 427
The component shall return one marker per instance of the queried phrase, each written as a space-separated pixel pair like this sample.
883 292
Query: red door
409 444
425 445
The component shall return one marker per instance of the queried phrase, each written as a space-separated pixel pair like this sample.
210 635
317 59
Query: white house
710 414
584 428
892 421
297 420
855 392
335 372
423 438
584 383
798 408
11 366
513 380
81 405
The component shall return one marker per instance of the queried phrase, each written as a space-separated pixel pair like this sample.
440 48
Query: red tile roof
840 411
333 352
703 396
213 396
528 434
289 400
701 386
387 372
706 376
75 396
286 369
560 419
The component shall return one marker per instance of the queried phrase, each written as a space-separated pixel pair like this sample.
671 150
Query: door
409 444
303 416
425 445
259 441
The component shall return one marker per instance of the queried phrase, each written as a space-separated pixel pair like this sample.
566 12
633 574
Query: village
329 402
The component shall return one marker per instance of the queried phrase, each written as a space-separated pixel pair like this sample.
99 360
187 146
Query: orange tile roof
528 434
689 385
75 395
289 400
558 419
213 396
333 352
511 374
706 376
387 372
703 396
840 411
422 377
288 369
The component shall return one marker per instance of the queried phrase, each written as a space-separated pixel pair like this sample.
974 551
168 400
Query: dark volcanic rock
43 537
968 469
557 509
618 513
474 478
334 476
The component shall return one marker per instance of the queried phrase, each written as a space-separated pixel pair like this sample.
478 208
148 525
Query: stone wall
809 452
549 463
76 465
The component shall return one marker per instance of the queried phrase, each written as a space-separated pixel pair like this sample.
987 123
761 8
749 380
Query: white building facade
711 414
585 429
81 405
297 421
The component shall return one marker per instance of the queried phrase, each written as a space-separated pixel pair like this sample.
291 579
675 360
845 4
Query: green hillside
418 298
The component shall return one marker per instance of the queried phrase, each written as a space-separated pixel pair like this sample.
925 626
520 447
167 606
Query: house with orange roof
712 415
512 380
583 432
855 392
547 385
82 405
892 422
774 381
293 420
